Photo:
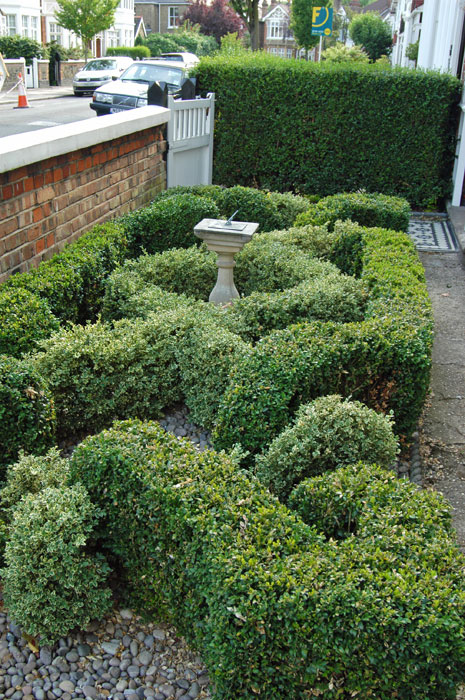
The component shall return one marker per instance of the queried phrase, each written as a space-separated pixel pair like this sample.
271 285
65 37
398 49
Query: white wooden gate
190 141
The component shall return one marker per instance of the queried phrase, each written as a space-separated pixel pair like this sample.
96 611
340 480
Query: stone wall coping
33 146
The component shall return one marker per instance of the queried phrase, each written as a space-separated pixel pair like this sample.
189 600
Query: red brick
37 214
40 245
50 240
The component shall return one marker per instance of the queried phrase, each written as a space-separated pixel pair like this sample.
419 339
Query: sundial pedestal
226 239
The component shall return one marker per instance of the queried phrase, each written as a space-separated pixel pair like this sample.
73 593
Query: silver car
99 71
130 90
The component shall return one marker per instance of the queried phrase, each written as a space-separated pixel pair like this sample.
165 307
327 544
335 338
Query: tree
372 34
217 19
301 21
86 18
248 12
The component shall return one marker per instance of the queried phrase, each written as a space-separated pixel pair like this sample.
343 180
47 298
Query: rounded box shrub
167 223
326 434
27 415
29 475
367 209
251 205
24 319
51 583
206 353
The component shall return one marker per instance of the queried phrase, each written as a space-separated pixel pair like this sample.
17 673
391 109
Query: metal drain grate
435 236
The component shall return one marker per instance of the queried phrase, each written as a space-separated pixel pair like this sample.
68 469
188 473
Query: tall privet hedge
320 128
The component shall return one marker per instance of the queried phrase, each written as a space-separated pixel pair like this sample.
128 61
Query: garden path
442 433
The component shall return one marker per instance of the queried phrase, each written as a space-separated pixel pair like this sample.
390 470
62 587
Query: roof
380 7
276 8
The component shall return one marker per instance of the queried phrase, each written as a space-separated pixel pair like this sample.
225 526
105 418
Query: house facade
36 19
161 16
277 35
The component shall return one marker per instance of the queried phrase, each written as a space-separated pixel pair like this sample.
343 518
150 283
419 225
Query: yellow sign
322 21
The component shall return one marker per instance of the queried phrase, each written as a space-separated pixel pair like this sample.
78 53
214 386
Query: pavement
45 93
442 429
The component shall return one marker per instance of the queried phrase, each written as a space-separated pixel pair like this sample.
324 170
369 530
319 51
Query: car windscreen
150 73
101 65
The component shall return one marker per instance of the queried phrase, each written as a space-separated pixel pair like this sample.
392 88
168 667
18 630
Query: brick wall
47 204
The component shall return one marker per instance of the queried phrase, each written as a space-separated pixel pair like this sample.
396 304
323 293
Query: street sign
322 21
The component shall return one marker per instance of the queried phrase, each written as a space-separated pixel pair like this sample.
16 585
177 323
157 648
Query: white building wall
441 33
22 18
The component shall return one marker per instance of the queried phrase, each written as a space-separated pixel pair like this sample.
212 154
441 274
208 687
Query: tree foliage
301 21
181 40
217 19
20 47
86 18
372 34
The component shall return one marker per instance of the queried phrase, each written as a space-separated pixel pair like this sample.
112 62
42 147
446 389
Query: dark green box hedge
319 128
276 610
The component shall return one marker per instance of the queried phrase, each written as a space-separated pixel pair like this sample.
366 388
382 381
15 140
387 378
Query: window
11 25
173 17
275 29
112 38
273 50
281 52
289 53
55 32
127 4
29 26
34 28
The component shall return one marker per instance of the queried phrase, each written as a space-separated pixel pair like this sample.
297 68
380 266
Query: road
44 113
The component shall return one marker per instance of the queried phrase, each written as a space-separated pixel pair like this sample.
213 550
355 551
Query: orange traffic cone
22 97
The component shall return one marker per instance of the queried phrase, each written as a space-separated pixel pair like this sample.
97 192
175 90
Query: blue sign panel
322 21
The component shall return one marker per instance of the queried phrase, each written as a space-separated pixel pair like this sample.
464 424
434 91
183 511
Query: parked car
99 71
130 90
188 59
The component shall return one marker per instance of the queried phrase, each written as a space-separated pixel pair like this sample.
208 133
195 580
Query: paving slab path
442 433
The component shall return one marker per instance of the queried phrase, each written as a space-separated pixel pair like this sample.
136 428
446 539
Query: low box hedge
276 609
27 413
384 361
73 281
98 372
25 318
367 209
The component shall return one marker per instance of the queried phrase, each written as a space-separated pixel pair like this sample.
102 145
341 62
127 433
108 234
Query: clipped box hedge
384 360
27 413
366 209
322 129
276 609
